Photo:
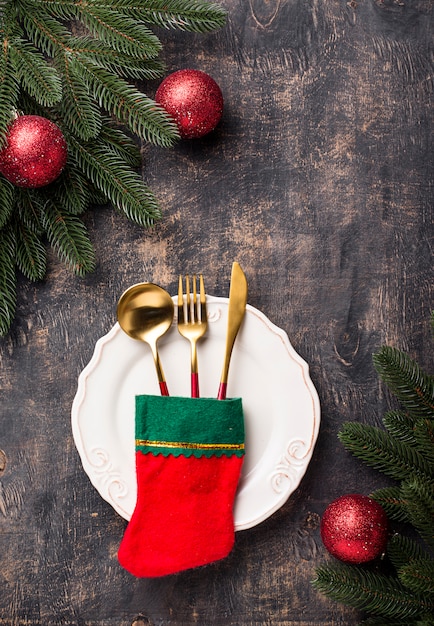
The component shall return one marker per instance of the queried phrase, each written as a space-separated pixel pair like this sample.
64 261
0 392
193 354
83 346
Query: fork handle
194 385
163 388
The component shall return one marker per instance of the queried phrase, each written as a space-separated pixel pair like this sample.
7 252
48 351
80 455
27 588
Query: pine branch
404 451
392 501
414 431
188 15
71 191
121 32
9 90
402 550
117 62
141 114
424 436
381 451
401 426
418 575
6 201
370 591
120 185
68 237
31 257
125 147
38 78
82 82
30 210
413 388
382 621
79 111
48 34
8 280
419 497
180 14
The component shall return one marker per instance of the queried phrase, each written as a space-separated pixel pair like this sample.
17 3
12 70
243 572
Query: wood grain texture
319 182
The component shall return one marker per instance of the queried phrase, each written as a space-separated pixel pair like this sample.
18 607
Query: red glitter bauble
193 99
35 152
354 529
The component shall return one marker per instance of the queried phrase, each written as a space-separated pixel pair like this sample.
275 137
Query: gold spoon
145 312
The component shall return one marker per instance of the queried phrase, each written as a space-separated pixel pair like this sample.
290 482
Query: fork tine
180 302
187 291
194 317
203 313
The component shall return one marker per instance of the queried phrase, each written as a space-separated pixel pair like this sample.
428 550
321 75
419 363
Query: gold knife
236 310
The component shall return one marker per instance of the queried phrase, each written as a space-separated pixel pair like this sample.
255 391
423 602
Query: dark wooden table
319 182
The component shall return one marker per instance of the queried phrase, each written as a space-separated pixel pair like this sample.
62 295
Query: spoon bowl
145 312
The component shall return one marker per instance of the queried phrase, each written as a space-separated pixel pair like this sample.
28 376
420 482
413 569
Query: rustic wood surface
319 182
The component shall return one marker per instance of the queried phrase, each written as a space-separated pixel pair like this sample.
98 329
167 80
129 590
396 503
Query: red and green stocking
189 453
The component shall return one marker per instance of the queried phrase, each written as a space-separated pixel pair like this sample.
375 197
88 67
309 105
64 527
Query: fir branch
188 15
68 237
127 67
79 111
424 436
9 90
370 591
418 575
414 431
413 388
391 499
419 497
29 208
382 621
142 115
37 77
120 185
400 425
195 16
31 257
66 10
79 82
121 32
404 451
116 61
6 201
381 451
71 191
8 279
47 33
402 549
124 146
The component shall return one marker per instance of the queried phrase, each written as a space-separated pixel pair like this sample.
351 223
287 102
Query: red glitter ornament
193 99
35 153
354 529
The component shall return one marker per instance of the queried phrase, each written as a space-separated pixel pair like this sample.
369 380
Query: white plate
281 408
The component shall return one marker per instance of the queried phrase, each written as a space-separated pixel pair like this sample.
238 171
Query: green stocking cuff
171 425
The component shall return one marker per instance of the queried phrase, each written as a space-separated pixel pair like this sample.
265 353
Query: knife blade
236 310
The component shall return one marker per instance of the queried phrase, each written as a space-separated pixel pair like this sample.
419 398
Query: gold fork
192 325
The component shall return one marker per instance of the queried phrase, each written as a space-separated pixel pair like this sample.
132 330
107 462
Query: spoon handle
160 375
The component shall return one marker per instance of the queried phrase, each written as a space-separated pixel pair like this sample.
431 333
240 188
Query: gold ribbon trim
189 445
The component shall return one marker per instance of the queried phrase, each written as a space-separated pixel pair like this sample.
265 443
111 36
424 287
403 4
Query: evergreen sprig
405 379
74 63
404 449
372 591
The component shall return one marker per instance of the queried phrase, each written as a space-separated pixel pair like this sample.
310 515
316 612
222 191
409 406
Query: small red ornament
35 153
193 99
354 529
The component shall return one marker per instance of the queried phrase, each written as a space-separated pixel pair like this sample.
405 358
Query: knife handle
222 391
